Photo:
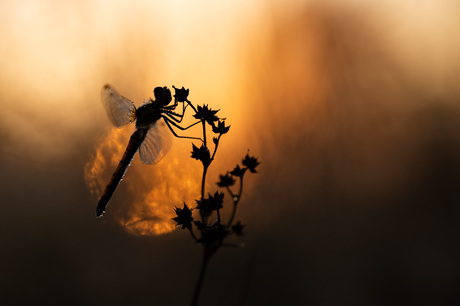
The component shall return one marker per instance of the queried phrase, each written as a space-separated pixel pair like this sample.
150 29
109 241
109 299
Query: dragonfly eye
162 95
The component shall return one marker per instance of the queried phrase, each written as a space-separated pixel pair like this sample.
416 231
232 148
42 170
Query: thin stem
241 190
203 180
199 282
193 107
229 223
233 216
231 193
204 132
193 234
235 202
215 147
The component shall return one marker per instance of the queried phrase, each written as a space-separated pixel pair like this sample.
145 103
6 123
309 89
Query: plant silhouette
212 232
152 143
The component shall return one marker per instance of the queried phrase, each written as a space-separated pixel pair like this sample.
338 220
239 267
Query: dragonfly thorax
148 114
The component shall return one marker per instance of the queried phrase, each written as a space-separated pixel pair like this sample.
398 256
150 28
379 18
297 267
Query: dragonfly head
162 95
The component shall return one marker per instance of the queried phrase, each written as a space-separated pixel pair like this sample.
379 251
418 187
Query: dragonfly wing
120 110
156 144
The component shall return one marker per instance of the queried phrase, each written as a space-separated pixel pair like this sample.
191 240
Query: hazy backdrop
353 107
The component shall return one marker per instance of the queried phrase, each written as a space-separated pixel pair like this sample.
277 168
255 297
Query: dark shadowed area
352 108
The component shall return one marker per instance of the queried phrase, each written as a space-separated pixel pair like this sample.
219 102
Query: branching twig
213 234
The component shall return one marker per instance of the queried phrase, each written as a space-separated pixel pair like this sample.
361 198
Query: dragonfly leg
174 121
172 115
171 123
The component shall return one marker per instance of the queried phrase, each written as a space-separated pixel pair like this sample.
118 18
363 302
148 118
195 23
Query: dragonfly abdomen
134 142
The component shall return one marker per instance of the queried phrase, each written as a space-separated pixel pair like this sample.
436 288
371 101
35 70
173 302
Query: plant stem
204 132
233 216
193 234
203 180
199 282
235 203
193 107
215 147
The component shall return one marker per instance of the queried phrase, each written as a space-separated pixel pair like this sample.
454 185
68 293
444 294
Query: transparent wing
156 144
120 110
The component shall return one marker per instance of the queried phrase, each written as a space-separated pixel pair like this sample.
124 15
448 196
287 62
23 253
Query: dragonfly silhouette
151 137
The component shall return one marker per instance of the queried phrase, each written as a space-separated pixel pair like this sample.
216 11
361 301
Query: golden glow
104 159
150 191
272 67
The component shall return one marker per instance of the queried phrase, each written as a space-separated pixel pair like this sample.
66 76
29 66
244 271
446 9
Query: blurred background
352 107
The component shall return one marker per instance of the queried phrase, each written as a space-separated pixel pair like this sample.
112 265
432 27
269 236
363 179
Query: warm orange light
279 71
149 192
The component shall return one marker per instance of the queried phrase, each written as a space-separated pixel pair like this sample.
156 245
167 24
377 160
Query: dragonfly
151 137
